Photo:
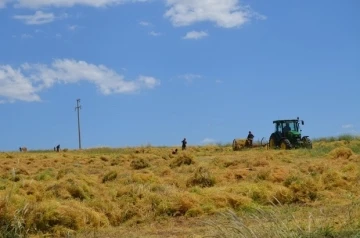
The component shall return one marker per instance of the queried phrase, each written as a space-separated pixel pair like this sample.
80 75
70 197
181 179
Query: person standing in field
184 142
250 138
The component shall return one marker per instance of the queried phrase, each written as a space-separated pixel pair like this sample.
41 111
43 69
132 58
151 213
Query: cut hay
341 153
238 144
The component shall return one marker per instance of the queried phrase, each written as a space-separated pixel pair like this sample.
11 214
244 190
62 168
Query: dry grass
149 192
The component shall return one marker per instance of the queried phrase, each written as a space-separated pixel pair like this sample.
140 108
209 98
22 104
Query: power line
77 108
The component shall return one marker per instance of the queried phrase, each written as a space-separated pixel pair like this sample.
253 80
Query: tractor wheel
272 143
307 143
234 145
285 144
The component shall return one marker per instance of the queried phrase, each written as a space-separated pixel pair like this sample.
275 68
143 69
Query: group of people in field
57 148
250 138
24 149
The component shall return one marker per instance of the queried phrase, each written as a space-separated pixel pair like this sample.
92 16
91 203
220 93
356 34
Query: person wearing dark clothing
184 142
58 148
20 149
250 138
286 129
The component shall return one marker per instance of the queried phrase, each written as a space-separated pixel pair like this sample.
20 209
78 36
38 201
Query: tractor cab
287 126
287 135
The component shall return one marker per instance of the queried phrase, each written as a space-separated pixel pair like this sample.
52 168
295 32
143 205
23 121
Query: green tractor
287 135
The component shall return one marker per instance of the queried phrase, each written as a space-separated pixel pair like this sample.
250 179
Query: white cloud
38 18
15 86
150 82
145 23
70 3
208 141
154 33
218 81
225 13
26 82
347 126
195 35
188 78
73 27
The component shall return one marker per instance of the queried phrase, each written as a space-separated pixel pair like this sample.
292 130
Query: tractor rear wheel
285 144
272 143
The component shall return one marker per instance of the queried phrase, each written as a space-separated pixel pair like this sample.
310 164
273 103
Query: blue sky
156 71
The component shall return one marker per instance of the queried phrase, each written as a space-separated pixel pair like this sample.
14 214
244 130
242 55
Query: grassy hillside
204 191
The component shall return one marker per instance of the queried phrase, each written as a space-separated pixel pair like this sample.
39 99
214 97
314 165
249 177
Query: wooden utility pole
77 108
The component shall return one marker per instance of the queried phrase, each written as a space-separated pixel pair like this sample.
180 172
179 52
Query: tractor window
296 126
290 126
278 127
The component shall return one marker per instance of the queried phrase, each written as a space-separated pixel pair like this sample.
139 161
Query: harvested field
203 191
